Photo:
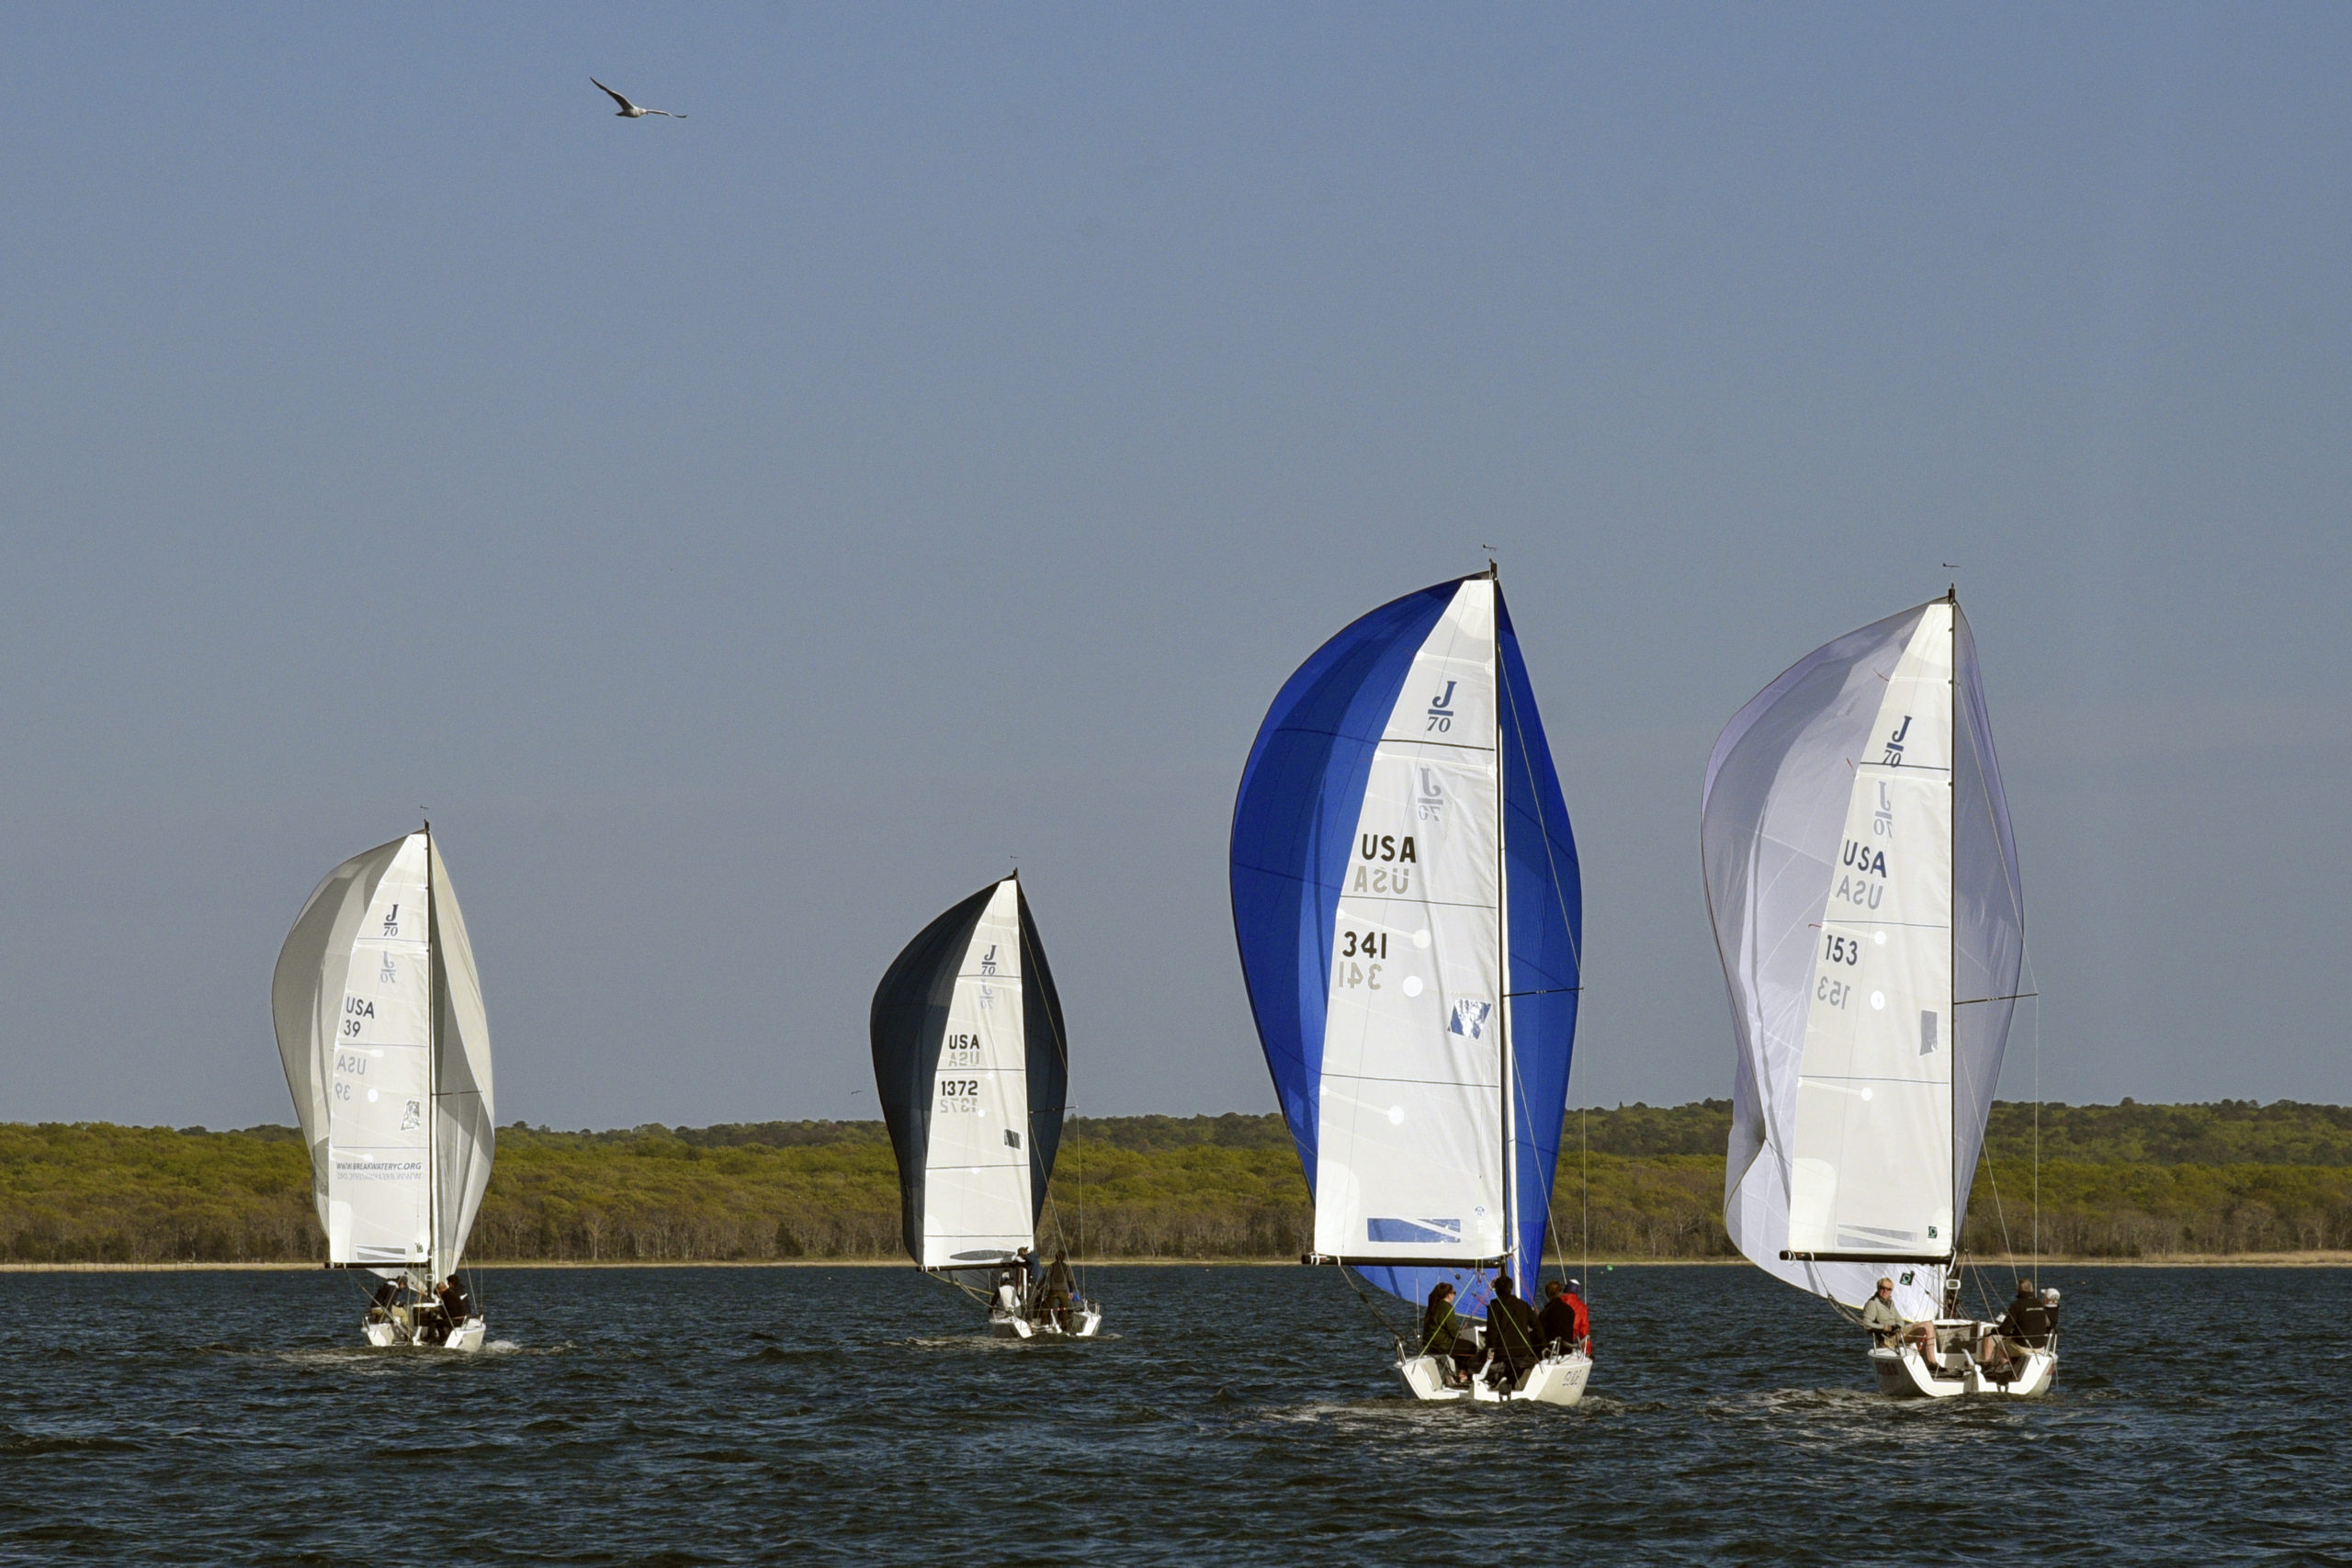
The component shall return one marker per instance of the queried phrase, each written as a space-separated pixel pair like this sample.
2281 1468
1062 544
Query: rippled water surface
1240 1415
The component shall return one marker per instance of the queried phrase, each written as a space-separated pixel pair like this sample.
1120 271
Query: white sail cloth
977 1198
1863 886
1411 1159
380 1029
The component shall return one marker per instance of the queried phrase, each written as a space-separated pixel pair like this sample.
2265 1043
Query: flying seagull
630 111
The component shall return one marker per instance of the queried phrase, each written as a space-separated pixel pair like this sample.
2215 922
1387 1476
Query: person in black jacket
1512 1335
2023 1329
1566 1324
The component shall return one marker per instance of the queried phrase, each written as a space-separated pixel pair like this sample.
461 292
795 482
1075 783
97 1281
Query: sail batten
1406 903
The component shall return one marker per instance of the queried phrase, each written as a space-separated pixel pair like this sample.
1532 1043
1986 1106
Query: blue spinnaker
1295 829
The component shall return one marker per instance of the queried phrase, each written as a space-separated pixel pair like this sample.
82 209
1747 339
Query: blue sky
746 534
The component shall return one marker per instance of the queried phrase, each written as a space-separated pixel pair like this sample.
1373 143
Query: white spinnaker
1870 1149
1409 1145
1782 792
380 1079
977 1202
464 1126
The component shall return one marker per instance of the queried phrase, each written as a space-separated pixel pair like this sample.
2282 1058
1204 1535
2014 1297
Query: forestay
1399 829
382 1030
969 1064
1863 886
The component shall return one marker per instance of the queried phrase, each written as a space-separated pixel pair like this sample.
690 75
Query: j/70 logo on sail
1894 758
1442 711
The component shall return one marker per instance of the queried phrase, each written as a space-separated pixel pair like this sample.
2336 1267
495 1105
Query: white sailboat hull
386 1332
1904 1373
1086 1323
1556 1379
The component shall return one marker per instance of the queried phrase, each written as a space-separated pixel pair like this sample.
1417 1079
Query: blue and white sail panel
1368 888
1293 834
1834 844
970 1069
1409 1163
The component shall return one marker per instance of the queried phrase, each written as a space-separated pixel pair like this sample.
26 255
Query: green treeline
1639 1182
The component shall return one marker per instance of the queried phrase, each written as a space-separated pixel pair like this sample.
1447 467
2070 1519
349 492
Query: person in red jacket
1566 1322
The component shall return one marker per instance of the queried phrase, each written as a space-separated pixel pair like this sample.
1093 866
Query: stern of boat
1904 1373
1558 1381
1425 1379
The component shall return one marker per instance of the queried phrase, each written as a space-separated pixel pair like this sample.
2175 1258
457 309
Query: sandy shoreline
2185 1260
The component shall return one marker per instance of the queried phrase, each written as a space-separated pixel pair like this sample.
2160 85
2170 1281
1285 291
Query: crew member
1887 1325
2023 1329
1511 1334
1564 1321
1061 1286
1442 1336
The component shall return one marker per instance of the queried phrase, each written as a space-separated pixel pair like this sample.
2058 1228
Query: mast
1951 916
1502 939
432 1074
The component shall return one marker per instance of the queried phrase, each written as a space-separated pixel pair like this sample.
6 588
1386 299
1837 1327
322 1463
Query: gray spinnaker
1780 788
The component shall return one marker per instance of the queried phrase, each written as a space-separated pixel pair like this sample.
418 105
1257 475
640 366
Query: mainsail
1407 901
380 1028
969 1064
1863 885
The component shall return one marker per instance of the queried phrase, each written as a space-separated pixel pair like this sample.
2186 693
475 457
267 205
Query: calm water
1242 1416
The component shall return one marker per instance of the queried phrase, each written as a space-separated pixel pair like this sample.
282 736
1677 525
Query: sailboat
386 1051
1864 884
970 1063
1407 901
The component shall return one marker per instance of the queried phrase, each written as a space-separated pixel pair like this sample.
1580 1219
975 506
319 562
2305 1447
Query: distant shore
2135 1185
2185 1260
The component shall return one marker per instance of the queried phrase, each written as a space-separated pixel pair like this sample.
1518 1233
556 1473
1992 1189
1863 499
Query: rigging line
1377 1317
2008 1248
1547 991
1984 1158
1559 1253
2012 996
